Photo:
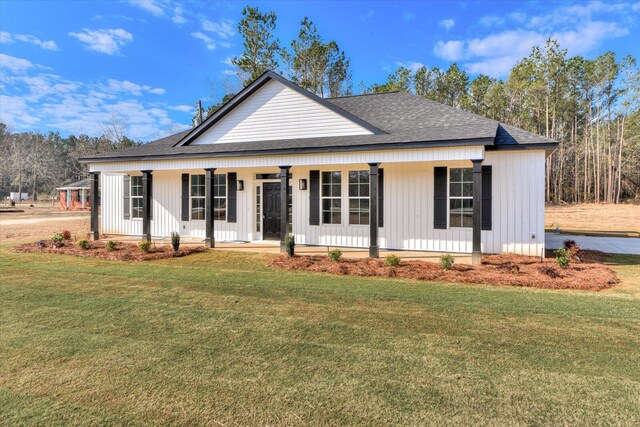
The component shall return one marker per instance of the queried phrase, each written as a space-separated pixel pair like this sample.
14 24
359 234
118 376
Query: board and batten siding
276 111
517 208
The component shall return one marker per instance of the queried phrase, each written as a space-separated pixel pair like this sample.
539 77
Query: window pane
353 190
467 189
456 175
336 190
467 174
336 177
455 189
197 208
326 217
326 204
455 206
364 190
326 190
354 177
336 218
364 218
136 207
454 220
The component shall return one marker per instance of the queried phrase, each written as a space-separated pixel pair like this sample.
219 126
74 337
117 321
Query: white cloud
411 65
14 64
223 28
447 24
452 50
573 26
178 16
6 37
183 108
104 41
34 96
156 8
208 41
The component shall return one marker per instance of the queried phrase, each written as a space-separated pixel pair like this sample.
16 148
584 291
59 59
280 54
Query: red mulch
123 252
507 269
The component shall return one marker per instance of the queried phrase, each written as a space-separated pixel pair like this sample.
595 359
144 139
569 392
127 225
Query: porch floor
273 247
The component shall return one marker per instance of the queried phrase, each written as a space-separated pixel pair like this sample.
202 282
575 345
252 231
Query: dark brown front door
271 211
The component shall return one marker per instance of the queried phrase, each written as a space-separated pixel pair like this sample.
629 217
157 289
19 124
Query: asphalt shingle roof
407 120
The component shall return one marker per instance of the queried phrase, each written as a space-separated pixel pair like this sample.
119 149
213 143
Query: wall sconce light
302 184
240 185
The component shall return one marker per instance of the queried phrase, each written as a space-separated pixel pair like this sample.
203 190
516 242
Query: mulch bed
123 251
587 273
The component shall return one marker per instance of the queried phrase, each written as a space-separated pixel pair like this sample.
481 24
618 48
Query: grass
219 339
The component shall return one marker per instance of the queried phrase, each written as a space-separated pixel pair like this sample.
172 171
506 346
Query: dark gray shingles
405 117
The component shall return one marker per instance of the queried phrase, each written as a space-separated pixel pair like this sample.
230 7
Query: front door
271 211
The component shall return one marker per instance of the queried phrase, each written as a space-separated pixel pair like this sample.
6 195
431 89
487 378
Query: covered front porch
396 204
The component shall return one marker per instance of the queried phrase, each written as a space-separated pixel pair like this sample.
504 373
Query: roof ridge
363 94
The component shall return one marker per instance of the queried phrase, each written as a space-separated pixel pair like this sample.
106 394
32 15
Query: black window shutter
150 196
380 197
126 191
314 197
232 197
486 197
185 197
440 197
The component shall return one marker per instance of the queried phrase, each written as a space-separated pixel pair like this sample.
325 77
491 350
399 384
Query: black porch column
209 240
476 254
373 210
95 205
146 205
284 206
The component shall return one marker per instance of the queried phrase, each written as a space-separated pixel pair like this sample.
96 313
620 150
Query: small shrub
290 244
175 241
57 238
335 255
84 244
447 261
111 245
568 244
66 235
58 243
144 246
392 261
42 244
549 271
563 258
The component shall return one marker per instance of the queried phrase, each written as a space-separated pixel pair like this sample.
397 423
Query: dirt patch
15 232
505 270
123 251
594 216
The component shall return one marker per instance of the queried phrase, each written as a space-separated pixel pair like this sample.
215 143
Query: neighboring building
390 170
75 196
18 197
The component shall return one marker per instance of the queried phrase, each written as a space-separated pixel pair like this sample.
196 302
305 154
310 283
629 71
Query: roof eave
486 142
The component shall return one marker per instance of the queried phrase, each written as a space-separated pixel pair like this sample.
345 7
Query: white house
390 170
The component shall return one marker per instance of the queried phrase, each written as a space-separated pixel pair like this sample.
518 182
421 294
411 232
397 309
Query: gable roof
397 120
250 90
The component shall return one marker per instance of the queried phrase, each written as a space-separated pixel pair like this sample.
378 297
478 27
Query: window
267 176
258 219
461 197
331 197
359 197
220 197
77 198
136 197
197 196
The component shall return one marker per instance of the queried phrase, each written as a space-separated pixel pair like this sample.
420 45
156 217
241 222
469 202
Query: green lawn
219 339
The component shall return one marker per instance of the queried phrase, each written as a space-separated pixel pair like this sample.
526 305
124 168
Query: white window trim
191 197
225 197
349 198
131 197
449 197
341 197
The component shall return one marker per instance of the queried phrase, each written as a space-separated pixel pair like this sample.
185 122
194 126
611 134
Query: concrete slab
611 245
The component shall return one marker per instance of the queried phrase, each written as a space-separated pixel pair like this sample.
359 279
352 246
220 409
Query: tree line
36 163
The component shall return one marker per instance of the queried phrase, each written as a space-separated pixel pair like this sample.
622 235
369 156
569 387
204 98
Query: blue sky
70 66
